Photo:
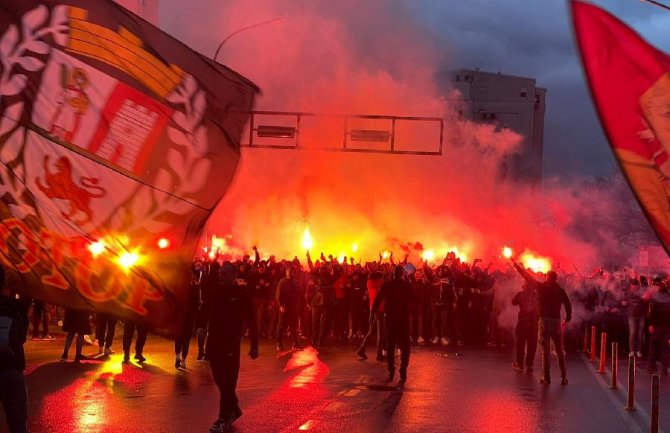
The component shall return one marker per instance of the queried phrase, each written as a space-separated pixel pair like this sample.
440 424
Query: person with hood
397 297
230 307
550 298
289 299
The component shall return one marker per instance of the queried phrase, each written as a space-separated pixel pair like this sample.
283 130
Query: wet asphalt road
326 391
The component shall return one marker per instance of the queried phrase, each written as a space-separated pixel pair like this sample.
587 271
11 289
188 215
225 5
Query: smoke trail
375 58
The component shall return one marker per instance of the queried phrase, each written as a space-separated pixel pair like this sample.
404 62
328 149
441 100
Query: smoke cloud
374 57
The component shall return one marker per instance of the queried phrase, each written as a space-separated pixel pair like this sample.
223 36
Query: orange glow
128 259
218 244
386 254
507 252
428 255
97 248
163 243
307 241
536 263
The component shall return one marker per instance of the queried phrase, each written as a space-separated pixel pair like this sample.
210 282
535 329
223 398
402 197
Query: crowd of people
327 301
451 303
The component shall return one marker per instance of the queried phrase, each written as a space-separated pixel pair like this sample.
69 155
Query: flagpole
218 49
654 2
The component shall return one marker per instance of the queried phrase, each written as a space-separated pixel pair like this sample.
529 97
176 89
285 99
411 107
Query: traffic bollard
615 366
593 343
630 403
603 352
655 384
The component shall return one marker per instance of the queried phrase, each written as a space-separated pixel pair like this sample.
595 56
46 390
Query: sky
531 38
384 57
519 37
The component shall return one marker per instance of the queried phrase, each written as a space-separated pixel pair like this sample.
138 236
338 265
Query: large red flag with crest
630 84
113 136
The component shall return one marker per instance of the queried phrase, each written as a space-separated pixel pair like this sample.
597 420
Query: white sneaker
639 354
87 340
421 340
108 351
631 354
444 341
436 340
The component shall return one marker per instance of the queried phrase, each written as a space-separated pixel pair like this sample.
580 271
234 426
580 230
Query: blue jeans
635 333
14 399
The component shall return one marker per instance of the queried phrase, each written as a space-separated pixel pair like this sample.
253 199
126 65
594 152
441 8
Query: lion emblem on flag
60 185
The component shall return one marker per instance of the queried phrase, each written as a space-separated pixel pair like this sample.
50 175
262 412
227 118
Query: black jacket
659 310
18 361
527 302
550 297
230 307
397 295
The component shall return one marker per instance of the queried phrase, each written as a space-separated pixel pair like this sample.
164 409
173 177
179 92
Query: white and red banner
113 136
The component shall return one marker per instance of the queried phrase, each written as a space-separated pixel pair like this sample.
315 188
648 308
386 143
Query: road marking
352 392
308 425
334 406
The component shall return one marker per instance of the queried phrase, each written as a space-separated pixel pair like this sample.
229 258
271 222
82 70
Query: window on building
458 78
524 92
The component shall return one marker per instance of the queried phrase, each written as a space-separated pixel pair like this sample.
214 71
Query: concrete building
508 102
147 9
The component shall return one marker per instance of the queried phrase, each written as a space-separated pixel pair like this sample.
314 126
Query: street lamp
658 4
218 49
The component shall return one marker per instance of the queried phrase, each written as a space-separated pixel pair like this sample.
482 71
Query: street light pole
659 4
218 49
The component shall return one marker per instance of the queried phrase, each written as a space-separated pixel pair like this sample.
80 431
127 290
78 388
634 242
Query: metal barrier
630 402
615 366
603 353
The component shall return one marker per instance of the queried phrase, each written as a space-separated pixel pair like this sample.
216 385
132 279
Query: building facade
509 102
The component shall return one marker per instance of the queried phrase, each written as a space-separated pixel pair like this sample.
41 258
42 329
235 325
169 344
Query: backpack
11 330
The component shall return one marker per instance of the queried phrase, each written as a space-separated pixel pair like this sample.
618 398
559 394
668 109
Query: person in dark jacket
183 341
550 298
13 394
104 332
397 297
634 305
659 328
76 322
230 308
129 328
526 327
289 299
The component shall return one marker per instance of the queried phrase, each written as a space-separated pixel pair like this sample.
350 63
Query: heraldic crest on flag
630 85
109 140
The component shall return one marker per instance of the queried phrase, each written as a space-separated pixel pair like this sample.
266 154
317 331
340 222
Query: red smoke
370 58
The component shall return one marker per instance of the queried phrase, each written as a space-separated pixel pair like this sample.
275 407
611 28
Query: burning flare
97 248
428 255
536 263
307 242
507 252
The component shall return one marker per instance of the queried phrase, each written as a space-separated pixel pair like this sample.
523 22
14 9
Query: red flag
113 136
630 85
